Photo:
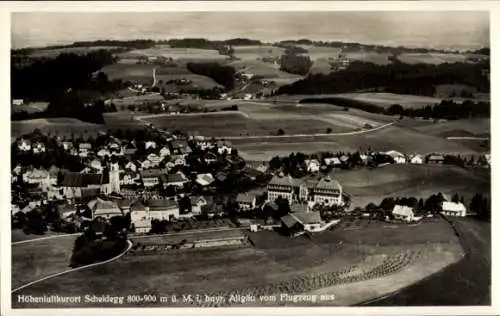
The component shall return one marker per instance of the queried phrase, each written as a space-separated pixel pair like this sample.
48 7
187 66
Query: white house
404 213
205 179
24 145
164 151
223 147
176 179
313 165
140 218
131 166
453 209
38 148
96 164
150 144
155 159
18 102
334 161
144 164
417 160
104 152
246 201
398 157
84 149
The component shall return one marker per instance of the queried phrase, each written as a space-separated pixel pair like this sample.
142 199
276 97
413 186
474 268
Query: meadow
54 52
180 54
388 99
52 125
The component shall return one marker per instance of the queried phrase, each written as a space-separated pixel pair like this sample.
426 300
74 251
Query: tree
328 130
455 198
281 132
395 109
387 204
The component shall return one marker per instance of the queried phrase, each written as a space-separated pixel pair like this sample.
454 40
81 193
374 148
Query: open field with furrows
389 138
52 125
37 259
458 128
431 58
254 52
188 236
271 266
470 278
388 99
373 185
52 53
184 54
230 124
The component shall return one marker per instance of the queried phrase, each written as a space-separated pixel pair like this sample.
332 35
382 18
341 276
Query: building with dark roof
163 209
74 183
104 208
173 179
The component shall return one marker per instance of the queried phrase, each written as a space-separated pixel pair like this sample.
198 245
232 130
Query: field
388 99
270 266
263 69
431 58
37 259
367 185
52 125
470 278
180 54
465 127
231 124
53 53
257 52
32 107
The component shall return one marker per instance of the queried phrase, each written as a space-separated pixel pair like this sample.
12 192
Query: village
170 181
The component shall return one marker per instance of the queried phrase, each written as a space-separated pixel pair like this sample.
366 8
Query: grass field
270 264
388 99
52 125
183 54
52 53
263 69
230 124
470 278
476 126
253 52
431 58
37 259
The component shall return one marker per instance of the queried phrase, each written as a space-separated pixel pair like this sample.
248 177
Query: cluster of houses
448 208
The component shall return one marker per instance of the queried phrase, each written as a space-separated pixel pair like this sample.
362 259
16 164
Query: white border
5 255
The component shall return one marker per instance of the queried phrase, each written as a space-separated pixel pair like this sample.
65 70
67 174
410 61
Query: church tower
114 177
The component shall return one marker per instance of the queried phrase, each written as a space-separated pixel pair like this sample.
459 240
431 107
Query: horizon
440 30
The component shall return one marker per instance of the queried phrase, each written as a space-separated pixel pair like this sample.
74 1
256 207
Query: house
129 149
295 223
103 152
344 159
150 144
164 151
129 177
24 145
180 147
417 160
313 165
258 165
334 161
151 177
36 176
199 202
435 159
144 164
224 147
140 218
53 174
210 158
174 179
404 213
38 148
179 160
131 166
67 145
104 208
96 165
281 186
398 157
453 209
246 201
73 184
327 192
17 102
163 209
84 149
155 159
205 179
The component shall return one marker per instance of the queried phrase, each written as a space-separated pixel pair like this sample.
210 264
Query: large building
325 191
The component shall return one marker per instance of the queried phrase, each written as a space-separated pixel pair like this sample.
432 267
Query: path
467 138
43 238
75 269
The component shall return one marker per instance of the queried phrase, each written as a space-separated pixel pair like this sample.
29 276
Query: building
75 184
164 152
224 147
140 218
36 176
103 208
144 164
327 192
281 186
131 166
453 209
205 179
174 179
155 159
96 166
404 213
417 160
84 149
435 159
163 209
313 165
398 157
334 161
67 145
38 148
295 223
261 166
199 202
151 177
24 145
246 201
150 144
114 177
180 147
129 177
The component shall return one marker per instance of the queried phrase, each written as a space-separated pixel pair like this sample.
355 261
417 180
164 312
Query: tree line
419 79
447 109
223 75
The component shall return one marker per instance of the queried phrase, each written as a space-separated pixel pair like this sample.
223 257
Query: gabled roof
101 207
436 157
76 179
298 208
453 207
281 180
328 184
245 197
205 178
152 173
159 204
173 177
307 217
402 210
289 220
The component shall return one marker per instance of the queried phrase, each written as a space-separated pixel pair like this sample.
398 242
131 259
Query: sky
448 30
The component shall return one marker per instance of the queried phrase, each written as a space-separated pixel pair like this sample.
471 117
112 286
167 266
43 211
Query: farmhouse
103 208
416 160
180 147
435 159
38 148
151 177
129 177
163 209
246 201
224 147
24 145
453 209
84 149
313 165
334 161
150 144
155 159
200 202
404 213
295 223
175 179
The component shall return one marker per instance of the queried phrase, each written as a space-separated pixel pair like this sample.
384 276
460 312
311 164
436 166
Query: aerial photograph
250 159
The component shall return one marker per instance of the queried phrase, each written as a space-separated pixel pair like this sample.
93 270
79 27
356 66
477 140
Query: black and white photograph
213 158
